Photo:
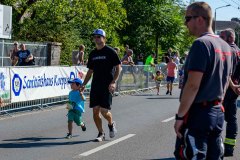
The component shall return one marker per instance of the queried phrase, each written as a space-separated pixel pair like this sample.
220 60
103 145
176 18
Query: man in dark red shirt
231 95
207 71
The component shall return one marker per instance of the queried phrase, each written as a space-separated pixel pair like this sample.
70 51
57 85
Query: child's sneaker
100 137
83 126
68 136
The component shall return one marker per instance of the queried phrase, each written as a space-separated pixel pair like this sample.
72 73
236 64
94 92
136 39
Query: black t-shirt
102 63
236 72
22 56
212 56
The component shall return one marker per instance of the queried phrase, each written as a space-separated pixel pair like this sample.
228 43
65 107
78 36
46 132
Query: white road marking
104 146
169 119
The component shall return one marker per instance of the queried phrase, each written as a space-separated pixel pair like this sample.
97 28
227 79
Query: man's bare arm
189 92
88 76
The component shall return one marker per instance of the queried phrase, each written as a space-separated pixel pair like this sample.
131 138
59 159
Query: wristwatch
179 118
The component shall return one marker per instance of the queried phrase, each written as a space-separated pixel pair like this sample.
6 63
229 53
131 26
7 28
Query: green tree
153 23
69 22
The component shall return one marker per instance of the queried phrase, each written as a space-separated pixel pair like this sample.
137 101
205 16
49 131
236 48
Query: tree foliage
70 22
153 20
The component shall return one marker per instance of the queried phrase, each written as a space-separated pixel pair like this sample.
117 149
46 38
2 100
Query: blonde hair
81 47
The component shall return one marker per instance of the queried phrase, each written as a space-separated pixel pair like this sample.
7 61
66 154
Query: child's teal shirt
76 101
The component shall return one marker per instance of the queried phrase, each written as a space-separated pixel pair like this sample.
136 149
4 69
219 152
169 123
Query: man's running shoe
68 136
112 130
100 137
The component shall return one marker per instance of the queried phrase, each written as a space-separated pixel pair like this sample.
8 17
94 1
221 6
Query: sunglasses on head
188 18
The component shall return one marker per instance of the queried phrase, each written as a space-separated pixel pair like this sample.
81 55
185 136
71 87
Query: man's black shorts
103 99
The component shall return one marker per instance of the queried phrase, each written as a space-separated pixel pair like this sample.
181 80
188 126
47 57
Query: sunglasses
96 36
188 18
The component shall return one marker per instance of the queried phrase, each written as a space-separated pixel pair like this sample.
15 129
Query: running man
101 62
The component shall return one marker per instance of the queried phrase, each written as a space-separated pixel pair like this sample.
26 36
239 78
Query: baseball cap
15 42
75 80
100 32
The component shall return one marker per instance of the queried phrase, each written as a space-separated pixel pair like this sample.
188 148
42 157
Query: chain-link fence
39 51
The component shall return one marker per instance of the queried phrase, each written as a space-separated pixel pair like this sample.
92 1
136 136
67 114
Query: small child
158 78
75 106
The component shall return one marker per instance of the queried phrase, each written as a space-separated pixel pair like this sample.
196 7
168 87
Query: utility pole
215 17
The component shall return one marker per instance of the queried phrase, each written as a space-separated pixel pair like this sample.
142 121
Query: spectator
126 49
117 50
176 58
128 63
24 57
128 60
13 54
171 72
81 55
183 59
158 79
140 59
149 67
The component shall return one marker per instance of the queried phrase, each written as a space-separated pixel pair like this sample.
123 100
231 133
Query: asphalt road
144 132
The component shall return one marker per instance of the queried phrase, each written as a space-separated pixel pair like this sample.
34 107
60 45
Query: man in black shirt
101 62
207 71
24 57
231 95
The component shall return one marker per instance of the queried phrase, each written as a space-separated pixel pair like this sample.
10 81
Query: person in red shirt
171 72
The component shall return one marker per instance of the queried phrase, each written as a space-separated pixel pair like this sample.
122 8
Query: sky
226 13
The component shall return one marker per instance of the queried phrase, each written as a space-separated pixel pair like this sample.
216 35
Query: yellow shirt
159 78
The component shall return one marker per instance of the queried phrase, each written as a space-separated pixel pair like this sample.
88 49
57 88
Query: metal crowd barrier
141 76
133 79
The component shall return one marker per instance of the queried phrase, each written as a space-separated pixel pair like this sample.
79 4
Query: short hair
229 32
131 51
201 9
81 47
158 71
22 44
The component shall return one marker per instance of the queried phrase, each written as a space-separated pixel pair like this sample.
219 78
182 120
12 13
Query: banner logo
72 75
16 84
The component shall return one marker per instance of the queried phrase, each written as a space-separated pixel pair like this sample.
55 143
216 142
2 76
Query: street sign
5 21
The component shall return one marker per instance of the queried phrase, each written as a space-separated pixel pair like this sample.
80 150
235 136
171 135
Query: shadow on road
163 97
143 95
36 142
163 159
